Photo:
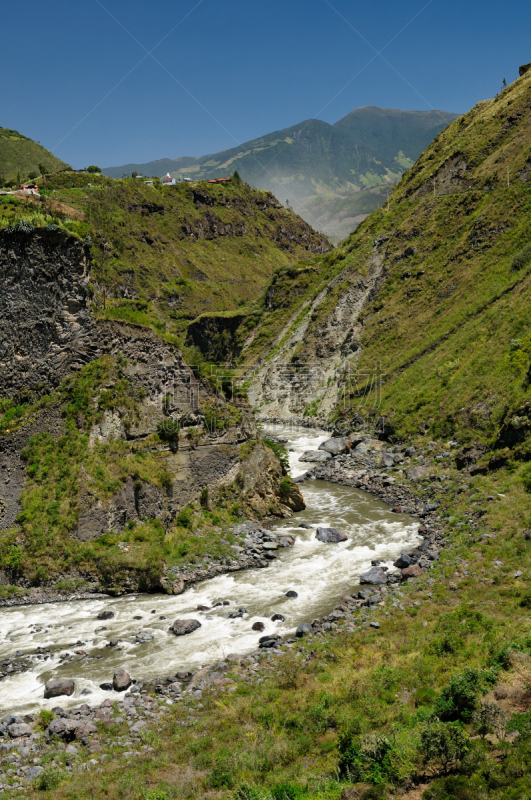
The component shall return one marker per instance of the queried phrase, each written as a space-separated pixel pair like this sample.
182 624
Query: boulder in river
277 618
303 629
258 626
315 456
183 626
336 446
58 688
403 561
105 615
304 526
121 680
330 535
375 576
292 593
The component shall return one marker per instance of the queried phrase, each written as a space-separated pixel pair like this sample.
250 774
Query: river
320 573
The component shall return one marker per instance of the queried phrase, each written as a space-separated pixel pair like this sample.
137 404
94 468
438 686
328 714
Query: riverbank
343 654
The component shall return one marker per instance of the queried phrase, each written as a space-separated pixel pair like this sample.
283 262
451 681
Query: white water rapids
319 572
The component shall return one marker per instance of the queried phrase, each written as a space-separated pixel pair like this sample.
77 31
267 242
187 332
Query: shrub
50 778
168 430
287 791
220 778
185 518
522 258
458 700
285 487
520 723
44 718
489 718
156 794
443 743
372 759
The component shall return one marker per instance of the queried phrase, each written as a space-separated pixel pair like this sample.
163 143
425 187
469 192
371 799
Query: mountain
314 165
20 156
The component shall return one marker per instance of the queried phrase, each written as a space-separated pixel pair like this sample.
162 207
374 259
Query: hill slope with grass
20 157
314 163
434 290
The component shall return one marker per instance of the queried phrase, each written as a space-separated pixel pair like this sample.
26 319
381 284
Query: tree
443 743
236 177
93 169
134 174
490 718
43 170
504 83
33 175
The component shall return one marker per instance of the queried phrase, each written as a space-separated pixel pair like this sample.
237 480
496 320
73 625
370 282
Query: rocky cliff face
46 328
48 333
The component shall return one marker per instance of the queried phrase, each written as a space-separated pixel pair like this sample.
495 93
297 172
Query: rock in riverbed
121 680
303 629
330 535
58 688
105 615
375 576
183 626
315 456
336 446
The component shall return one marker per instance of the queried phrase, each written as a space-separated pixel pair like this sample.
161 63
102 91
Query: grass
19 156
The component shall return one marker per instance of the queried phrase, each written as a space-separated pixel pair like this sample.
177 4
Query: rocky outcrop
313 364
46 328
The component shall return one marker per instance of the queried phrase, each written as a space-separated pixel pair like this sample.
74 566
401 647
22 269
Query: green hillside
450 320
333 163
164 255
20 156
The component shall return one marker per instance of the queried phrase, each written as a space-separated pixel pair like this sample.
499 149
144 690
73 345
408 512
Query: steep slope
370 147
435 292
108 439
20 156
161 256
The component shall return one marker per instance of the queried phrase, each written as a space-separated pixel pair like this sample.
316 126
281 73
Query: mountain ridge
316 160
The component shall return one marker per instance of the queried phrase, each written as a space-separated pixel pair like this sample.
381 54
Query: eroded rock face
45 325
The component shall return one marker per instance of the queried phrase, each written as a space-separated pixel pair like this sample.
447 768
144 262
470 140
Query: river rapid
320 574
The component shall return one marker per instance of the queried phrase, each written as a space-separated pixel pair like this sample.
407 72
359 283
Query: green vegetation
20 156
59 471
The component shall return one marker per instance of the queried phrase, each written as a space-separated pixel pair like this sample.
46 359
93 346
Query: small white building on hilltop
168 180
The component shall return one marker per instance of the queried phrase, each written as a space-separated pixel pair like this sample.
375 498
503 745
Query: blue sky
109 82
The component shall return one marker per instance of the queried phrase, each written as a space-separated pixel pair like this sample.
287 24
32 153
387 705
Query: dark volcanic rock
330 535
105 615
258 626
277 618
375 576
56 688
183 626
403 561
292 593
